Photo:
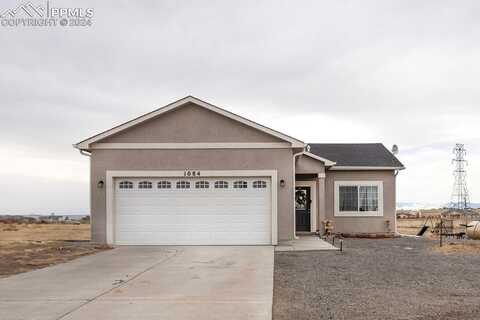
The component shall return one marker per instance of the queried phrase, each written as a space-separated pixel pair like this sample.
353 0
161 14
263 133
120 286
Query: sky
397 72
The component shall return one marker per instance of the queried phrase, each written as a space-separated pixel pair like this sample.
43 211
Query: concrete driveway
147 283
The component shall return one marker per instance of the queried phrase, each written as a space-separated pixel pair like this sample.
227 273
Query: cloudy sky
403 72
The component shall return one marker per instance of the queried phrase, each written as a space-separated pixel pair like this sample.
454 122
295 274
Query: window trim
338 213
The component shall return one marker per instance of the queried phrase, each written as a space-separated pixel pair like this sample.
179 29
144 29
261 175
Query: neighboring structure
193 173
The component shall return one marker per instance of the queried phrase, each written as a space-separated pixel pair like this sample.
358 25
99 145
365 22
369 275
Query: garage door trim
112 174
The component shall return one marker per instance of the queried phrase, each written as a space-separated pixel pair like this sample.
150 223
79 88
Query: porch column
321 201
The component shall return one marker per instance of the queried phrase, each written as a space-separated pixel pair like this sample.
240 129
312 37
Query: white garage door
199 211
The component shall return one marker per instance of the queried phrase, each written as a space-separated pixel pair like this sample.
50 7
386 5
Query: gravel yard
402 278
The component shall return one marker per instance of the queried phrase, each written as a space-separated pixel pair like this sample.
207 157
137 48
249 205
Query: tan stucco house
192 173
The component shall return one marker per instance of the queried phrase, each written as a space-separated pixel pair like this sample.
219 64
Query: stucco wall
188 124
355 225
305 164
221 159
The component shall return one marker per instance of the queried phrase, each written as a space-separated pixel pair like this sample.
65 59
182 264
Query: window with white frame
202 185
240 185
260 184
164 185
144 185
358 198
125 185
221 184
183 185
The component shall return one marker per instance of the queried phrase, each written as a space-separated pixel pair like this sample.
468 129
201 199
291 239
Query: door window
301 199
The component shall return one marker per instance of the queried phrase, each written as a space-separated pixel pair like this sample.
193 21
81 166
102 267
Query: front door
302 208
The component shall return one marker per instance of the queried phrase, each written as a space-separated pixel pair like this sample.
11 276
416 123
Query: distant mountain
428 205
38 216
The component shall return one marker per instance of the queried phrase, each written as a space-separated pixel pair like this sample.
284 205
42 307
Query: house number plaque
191 173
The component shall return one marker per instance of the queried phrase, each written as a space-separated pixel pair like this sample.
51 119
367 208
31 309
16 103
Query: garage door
194 211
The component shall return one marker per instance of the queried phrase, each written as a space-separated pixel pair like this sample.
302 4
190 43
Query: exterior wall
188 124
362 225
219 159
304 164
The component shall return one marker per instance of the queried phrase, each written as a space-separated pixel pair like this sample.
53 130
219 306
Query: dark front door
302 208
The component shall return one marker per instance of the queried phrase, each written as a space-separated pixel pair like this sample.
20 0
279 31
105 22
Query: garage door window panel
183 185
259 184
126 185
240 185
164 185
144 185
202 185
221 184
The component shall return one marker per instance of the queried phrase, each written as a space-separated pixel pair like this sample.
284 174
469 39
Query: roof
367 156
85 144
326 162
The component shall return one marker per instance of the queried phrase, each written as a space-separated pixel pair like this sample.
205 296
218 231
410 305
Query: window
145 185
164 185
221 185
202 185
126 185
348 198
358 198
368 198
240 185
301 198
183 185
259 184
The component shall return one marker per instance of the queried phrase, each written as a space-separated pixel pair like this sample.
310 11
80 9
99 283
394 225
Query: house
191 173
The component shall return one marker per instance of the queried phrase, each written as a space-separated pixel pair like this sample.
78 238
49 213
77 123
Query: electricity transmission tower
460 199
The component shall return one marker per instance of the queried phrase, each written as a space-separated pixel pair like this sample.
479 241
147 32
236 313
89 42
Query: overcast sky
403 72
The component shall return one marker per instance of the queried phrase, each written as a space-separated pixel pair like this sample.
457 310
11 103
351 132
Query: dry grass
43 232
25 247
465 247
412 226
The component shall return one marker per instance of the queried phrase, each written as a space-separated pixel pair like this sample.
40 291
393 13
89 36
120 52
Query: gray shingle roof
356 154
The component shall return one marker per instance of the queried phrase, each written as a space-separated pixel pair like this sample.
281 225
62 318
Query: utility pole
460 201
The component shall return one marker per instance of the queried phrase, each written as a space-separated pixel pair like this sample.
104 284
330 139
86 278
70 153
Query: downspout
295 155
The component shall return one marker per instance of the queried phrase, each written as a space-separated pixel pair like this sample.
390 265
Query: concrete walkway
147 283
305 243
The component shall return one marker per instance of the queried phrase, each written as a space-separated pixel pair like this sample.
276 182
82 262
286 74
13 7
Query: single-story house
191 173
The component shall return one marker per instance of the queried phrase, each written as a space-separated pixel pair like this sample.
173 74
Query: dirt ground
26 247
399 278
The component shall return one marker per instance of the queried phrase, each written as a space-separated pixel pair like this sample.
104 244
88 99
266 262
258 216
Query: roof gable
187 101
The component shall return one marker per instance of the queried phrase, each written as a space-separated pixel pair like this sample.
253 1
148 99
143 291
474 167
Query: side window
221 185
144 185
183 185
164 185
240 185
125 185
202 185
260 184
